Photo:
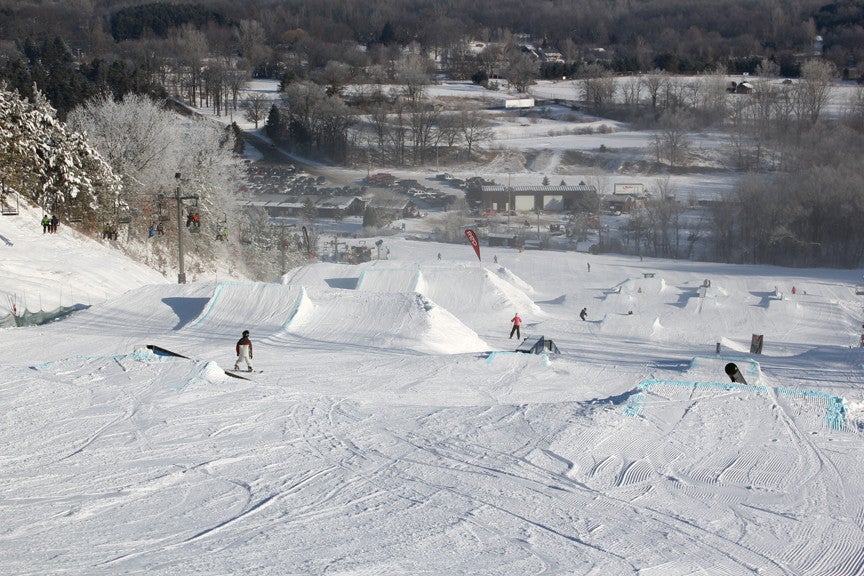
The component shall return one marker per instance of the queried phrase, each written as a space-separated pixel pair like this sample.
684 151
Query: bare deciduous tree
663 213
491 59
521 72
631 91
672 142
413 73
422 117
190 48
335 76
597 87
475 128
813 91
655 84
252 38
854 113
255 107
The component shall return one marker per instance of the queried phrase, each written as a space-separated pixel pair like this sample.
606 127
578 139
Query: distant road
273 155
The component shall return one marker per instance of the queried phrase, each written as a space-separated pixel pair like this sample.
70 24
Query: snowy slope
50 270
394 430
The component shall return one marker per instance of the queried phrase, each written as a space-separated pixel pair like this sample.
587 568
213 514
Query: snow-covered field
393 430
530 145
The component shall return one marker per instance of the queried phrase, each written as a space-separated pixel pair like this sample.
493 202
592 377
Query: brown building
581 198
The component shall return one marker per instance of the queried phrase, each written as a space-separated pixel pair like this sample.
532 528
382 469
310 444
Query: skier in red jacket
517 321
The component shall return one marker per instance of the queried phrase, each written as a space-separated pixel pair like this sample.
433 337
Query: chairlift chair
74 215
194 227
161 213
9 202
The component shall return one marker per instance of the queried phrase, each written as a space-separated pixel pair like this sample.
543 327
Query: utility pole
509 200
282 245
336 245
181 274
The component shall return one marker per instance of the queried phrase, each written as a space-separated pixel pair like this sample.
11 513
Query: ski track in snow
394 431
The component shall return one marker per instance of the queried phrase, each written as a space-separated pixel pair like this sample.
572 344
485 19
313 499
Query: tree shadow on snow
186 309
686 294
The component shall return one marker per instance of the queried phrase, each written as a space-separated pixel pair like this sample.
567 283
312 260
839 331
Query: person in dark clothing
517 321
244 352
583 314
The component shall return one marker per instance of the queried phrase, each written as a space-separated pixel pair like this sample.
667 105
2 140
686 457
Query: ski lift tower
181 274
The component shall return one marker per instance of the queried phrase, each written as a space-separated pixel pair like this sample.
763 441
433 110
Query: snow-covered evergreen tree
51 165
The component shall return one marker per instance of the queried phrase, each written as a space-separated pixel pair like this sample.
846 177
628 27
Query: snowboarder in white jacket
244 352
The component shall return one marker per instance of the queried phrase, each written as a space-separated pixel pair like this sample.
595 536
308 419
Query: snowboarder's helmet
245 332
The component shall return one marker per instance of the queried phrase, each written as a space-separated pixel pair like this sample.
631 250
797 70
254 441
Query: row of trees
203 52
810 214
399 126
677 35
206 65
805 212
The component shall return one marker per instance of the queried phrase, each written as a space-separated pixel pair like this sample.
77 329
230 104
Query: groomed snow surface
393 430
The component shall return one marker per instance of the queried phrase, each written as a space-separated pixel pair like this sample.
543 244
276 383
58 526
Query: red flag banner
472 238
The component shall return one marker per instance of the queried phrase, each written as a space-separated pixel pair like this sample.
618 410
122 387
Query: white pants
244 357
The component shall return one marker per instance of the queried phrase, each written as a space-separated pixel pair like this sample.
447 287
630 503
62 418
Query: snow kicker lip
159 351
835 412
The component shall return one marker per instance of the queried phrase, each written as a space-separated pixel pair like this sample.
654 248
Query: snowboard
734 374
240 373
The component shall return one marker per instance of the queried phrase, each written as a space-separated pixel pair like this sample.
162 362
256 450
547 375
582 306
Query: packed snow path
383 437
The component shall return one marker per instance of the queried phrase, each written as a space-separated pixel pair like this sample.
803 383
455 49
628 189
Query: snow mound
381 320
634 325
238 306
471 290
461 289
